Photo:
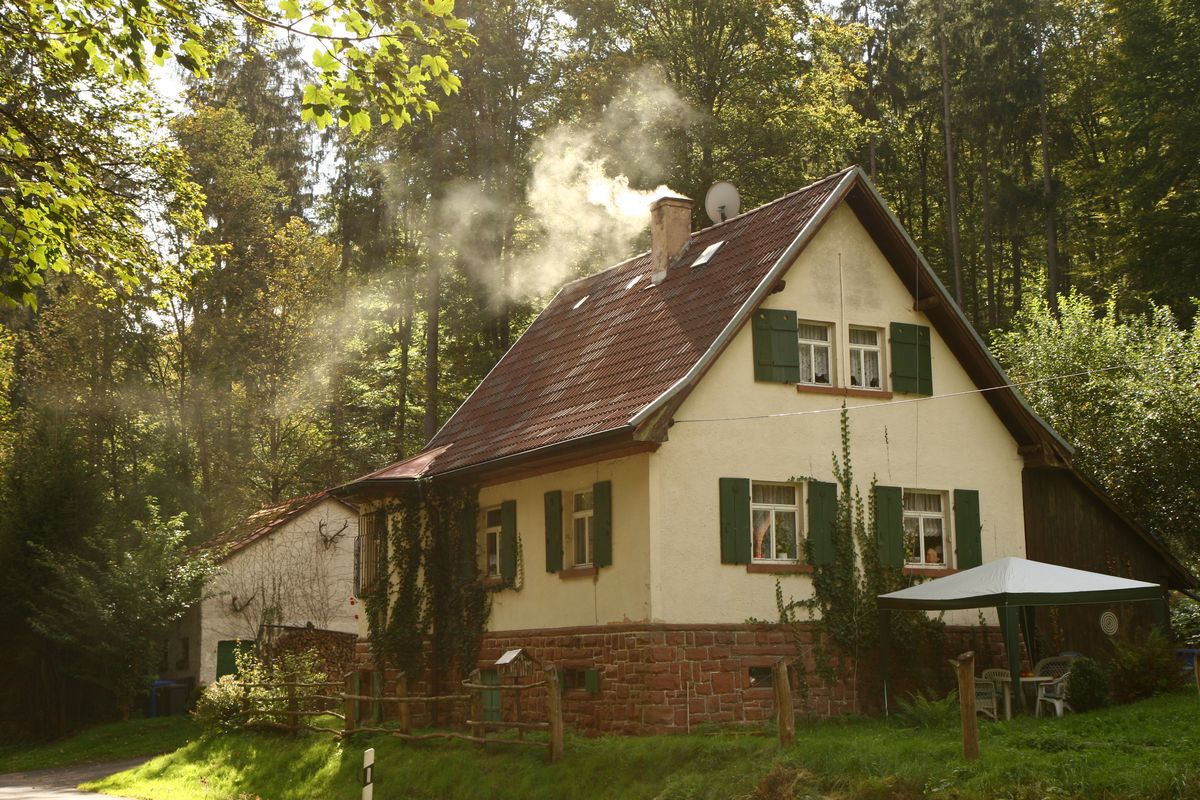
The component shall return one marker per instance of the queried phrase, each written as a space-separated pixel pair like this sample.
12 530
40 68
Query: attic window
580 302
707 255
632 282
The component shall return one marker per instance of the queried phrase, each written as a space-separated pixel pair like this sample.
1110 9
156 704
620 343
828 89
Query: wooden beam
965 667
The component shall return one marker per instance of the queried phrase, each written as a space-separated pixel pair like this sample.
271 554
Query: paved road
60 783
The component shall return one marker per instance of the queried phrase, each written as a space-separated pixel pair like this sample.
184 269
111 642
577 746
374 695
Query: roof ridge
841 173
837 175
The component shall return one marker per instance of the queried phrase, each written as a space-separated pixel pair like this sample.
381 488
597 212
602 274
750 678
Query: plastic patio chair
1053 692
986 699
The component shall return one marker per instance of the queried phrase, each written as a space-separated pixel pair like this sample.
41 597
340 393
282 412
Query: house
651 454
286 566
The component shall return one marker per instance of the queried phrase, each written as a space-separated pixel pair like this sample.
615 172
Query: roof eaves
760 292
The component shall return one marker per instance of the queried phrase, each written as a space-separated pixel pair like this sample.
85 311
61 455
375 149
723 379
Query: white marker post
368 775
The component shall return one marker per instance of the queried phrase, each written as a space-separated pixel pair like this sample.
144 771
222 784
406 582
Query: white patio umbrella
1010 584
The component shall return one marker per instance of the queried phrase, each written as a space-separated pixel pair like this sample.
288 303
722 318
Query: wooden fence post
402 692
965 666
783 703
475 712
349 706
554 712
293 718
378 676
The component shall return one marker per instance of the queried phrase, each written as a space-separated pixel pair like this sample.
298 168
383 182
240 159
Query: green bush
926 712
1087 688
219 705
1185 621
1143 667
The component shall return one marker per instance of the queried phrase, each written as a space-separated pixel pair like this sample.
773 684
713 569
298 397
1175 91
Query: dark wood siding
1067 523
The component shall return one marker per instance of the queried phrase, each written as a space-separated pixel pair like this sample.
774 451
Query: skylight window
707 255
632 282
582 300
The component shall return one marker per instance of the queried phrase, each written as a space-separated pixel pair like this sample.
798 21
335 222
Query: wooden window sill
493 582
929 572
578 572
780 569
843 391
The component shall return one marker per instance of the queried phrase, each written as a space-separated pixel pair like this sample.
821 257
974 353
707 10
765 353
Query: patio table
1030 680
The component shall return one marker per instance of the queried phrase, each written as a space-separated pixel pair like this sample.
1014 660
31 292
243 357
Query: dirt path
60 783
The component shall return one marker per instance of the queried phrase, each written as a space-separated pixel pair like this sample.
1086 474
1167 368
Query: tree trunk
1052 277
989 264
432 309
951 180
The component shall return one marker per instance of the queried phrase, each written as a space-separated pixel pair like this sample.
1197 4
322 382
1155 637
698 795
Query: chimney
670 227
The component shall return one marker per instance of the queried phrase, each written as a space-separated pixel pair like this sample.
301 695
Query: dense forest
270 264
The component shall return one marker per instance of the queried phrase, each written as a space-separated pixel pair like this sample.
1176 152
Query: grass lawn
111 742
1147 750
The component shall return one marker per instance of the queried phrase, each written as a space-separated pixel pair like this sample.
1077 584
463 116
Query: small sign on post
368 774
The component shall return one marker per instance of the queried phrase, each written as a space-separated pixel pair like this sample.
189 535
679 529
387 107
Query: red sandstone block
662 653
670 682
723 637
657 716
676 638
700 638
722 682
745 637
695 653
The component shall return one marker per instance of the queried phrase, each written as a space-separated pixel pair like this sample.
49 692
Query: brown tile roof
262 523
609 344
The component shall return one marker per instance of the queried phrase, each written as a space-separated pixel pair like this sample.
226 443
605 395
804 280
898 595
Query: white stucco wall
308 564
547 600
934 444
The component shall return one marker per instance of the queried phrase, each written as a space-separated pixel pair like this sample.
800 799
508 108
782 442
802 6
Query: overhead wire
893 403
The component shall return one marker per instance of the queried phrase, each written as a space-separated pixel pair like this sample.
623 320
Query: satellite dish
722 201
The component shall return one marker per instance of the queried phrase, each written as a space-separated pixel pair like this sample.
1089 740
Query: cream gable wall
545 600
315 583
938 444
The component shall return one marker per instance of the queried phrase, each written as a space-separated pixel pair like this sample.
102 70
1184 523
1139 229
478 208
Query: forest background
255 307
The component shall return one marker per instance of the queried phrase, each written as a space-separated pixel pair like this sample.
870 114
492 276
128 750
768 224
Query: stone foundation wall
655 679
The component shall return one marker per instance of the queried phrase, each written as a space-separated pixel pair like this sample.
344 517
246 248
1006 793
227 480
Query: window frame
944 515
877 349
812 345
798 496
490 533
588 514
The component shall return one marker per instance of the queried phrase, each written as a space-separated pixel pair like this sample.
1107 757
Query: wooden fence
288 704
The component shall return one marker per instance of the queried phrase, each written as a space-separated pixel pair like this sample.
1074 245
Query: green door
227 657
491 697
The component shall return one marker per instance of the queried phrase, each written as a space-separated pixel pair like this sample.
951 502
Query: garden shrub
1087 688
1143 667
927 712
220 703
1185 621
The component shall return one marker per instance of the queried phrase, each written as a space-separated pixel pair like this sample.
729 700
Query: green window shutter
776 348
889 525
508 540
602 523
554 539
822 519
967 544
912 366
735 520
591 681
